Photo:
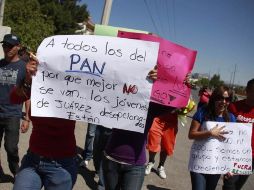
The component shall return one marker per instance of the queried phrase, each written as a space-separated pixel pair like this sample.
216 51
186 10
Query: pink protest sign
174 63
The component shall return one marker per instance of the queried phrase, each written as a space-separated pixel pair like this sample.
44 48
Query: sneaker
161 172
84 163
149 167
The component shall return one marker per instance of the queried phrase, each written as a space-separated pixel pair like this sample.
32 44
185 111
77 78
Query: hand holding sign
31 68
218 132
153 74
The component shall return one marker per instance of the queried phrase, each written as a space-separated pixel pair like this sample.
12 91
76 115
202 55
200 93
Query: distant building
200 76
87 27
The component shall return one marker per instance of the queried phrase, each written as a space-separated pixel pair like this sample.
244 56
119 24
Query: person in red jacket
50 161
244 113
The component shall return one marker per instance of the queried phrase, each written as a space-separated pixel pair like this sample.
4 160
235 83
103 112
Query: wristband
25 119
26 85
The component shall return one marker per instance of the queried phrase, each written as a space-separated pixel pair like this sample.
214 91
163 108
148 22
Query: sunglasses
7 45
222 98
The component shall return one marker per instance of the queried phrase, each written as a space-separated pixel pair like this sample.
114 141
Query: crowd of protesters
119 162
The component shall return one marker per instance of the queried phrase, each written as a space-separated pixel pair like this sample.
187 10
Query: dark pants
235 182
201 181
88 149
101 137
9 128
122 176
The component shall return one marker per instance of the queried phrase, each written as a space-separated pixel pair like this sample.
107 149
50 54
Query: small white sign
234 154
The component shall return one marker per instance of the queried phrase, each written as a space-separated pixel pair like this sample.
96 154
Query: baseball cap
11 39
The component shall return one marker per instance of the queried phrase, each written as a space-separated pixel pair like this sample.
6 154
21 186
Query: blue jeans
36 172
122 176
9 128
201 181
88 149
101 137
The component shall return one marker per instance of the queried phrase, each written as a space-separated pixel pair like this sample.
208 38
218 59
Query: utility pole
231 76
106 12
218 72
2 3
233 82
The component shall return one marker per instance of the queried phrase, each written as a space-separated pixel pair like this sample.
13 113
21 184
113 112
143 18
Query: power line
173 11
165 7
174 26
167 11
158 14
149 12
233 82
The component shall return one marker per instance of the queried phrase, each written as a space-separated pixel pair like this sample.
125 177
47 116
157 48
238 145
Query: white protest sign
96 79
234 154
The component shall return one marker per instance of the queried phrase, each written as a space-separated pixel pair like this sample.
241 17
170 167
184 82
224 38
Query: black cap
11 39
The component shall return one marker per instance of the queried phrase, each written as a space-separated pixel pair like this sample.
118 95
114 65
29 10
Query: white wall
3 30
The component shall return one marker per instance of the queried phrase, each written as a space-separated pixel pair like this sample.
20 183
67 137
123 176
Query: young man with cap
12 72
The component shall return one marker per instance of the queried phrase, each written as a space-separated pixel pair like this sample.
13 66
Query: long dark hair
210 108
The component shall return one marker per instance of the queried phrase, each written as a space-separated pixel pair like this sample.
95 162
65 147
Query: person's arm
197 134
26 119
22 92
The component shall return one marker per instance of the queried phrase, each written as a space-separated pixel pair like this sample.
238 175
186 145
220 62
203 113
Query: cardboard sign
105 30
174 63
